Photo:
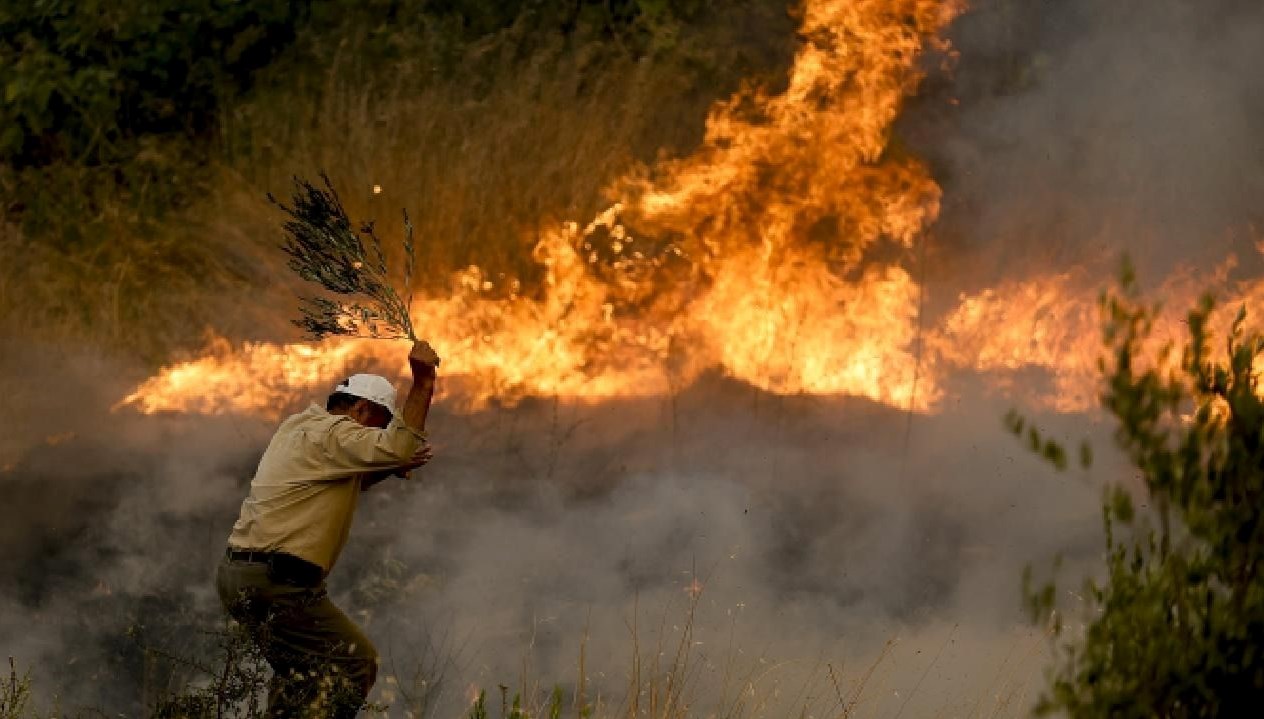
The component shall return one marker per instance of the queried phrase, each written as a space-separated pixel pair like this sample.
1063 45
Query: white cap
374 388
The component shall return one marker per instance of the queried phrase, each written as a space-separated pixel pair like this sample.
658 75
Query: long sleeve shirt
304 494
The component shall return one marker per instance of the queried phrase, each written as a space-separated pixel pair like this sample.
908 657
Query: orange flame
255 378
781 202
1053 324
1050 323
772 274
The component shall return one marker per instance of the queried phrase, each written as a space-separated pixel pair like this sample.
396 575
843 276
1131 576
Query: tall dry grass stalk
15 693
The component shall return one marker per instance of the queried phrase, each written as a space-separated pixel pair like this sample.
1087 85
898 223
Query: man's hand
371 478
424 455
423 358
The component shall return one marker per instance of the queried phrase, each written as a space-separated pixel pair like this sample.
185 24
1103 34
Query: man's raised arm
424 362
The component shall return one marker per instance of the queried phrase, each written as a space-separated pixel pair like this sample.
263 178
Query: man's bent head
366 398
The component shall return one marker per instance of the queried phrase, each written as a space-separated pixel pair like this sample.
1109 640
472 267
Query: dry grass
773 690
666 678
528 129
15 693
137 294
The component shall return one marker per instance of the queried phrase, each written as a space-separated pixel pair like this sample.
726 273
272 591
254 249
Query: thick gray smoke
816 531
811 533
1087 128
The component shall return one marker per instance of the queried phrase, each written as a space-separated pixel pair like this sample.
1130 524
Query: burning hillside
785 252
773 361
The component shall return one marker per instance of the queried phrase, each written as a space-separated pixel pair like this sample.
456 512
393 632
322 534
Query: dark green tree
1175 627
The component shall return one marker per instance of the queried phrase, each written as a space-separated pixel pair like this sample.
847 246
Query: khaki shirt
304 493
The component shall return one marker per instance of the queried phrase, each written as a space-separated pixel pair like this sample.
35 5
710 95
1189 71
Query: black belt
282 567
248 555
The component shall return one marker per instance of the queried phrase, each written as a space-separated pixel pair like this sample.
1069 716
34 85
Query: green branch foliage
326 249
1176 629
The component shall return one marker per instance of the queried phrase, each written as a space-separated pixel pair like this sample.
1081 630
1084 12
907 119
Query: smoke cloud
1086 129
811 532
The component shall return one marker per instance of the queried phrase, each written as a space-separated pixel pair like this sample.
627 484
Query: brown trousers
322 664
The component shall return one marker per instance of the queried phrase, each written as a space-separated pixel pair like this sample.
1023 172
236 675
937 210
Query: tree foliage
84 78
1176 627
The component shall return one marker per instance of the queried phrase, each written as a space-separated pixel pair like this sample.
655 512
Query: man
294 524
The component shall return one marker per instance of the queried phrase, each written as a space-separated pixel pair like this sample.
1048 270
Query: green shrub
1176 629
83 79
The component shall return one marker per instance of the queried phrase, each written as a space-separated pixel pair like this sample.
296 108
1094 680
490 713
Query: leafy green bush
1176 629
84 78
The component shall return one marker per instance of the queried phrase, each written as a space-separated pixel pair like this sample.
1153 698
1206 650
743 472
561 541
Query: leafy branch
327 249
1173 626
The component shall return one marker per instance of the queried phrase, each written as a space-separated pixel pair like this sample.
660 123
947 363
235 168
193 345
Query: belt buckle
246 555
